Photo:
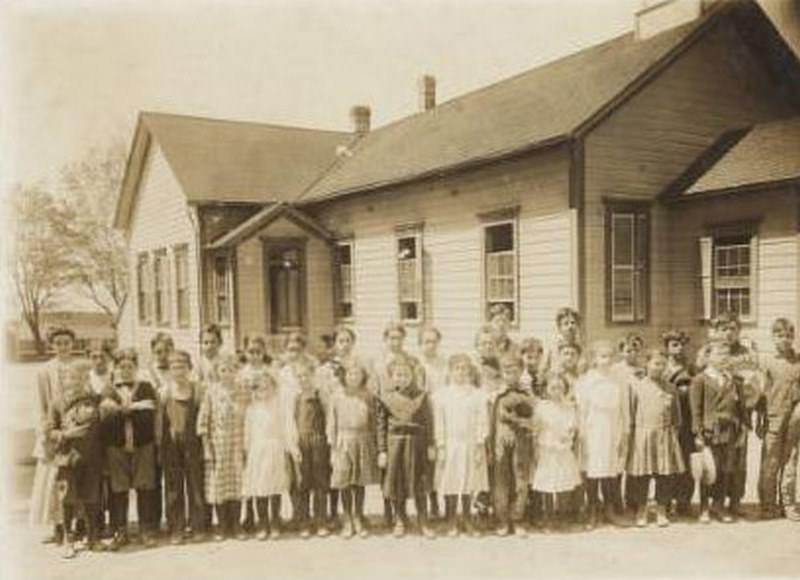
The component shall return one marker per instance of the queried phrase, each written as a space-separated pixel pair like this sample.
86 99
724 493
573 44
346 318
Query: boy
486 359
182 450
781 371
719 422
568 331
500 323
510 441
74 428
532 350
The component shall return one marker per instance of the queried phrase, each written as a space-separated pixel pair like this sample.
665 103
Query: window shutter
705 254
753 277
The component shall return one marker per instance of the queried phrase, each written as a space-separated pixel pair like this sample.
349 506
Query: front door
286 285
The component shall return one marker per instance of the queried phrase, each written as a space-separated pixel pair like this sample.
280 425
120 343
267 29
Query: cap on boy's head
180 356
783 325
724 319
567 312
632 340
394 327
162 338
60 331
674 335
569 344
126 354
531 345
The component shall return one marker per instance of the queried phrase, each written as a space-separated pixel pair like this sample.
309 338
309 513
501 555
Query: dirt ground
684 549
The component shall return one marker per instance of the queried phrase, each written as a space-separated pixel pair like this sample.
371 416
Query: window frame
488 220
227 285
143 283
413 231
640 265
180 252
162 311
349 243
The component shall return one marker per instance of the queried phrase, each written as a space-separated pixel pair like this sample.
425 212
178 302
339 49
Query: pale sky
76 73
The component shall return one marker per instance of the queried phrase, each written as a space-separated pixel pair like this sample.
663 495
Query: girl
270 441
461 428
220 424
294 351
100 378
568 331
604 429
555 429
131 440
182 450
655 451
679 374
487 360
351 431
629 367
256 370
75 432
45 507
500 322
405 444
210 345
314 467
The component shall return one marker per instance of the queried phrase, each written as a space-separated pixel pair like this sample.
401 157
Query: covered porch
273 274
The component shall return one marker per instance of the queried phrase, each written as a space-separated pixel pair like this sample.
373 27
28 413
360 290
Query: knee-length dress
220 422
270 440
603 423
655 415
461 426
352 435
555 428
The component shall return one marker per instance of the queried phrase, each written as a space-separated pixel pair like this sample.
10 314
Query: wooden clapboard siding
778 280
253 309
161 219
451 240
650 140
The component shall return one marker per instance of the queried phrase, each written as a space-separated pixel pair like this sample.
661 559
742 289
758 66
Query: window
500 267
143 288
408 255
344 263
286 287
628 263
182 284
220 285
728 271
161 286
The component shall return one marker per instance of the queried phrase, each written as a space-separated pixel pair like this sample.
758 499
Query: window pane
406 248
407 279
409 310
500 238
622 239
622 291
345 254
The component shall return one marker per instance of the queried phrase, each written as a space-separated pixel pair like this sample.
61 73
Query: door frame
270 244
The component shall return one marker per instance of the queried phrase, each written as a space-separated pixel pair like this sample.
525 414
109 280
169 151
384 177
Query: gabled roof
768 154
536 108
230 161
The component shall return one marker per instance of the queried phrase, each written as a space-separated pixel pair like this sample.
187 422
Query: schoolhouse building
650 181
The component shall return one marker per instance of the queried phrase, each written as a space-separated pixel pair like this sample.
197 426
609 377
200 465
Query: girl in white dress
604 432
460 432
270 442
555 427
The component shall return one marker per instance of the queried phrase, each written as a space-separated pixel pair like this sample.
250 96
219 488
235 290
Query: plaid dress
220 423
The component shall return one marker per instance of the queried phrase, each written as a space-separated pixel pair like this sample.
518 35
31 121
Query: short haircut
429 329
128 354
783 325
60 331
394 327
567 312
531 345
162 338
212 329
180 356
631 339
674 335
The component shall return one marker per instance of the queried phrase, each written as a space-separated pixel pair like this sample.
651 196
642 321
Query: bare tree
40 260
99 257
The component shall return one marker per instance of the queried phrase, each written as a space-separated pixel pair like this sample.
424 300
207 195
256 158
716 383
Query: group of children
508 437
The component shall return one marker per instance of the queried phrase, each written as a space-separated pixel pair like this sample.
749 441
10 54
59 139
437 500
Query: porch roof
766 155
265 217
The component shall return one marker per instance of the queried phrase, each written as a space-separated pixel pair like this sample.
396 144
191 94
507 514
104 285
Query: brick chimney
427 92
656 16
360 116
